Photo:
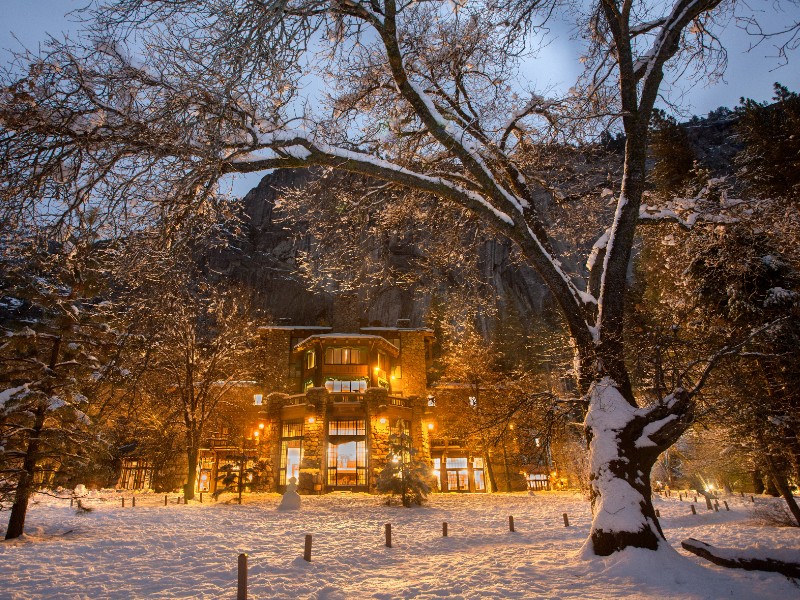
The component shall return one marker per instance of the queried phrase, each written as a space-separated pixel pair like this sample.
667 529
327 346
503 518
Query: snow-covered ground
179 551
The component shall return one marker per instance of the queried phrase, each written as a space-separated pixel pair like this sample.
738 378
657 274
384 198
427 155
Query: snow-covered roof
359 338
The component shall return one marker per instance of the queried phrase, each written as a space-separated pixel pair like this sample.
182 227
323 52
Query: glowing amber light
312 420
261 426
382 420
430 426
256 433
376 369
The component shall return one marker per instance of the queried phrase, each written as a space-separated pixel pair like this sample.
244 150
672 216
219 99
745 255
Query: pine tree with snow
404 476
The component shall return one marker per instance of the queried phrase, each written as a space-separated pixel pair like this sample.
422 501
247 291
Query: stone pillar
314 429
272 436
420 435
378 437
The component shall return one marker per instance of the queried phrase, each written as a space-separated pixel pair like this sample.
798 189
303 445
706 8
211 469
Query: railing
295 400
398 401
347 398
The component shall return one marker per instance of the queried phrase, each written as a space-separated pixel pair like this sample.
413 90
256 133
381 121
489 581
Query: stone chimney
346 313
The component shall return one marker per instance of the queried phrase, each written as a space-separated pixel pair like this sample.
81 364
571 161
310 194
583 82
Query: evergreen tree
404 476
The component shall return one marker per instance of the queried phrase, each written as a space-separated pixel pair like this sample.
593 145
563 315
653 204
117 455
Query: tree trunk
192 454
25 486
758 481
621 457
778 478
487 460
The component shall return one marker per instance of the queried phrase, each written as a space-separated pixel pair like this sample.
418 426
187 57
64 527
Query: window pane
456 463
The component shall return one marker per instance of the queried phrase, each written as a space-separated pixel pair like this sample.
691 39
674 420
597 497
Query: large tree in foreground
421 95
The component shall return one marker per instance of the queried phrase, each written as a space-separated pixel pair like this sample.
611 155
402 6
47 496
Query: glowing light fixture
261 426
382 420
430 426
312 419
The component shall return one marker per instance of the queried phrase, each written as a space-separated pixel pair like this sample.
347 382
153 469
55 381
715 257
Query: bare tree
420 95
194 338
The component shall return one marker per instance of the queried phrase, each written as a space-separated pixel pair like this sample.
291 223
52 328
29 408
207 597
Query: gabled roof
351 339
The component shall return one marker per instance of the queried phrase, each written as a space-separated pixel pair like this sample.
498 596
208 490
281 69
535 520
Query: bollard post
71 502
695 498
716 506
201 497
444 529
388 535
123 502
133 502
165 499
307 549
694 512
753 500
709 506
511 523
680 497
725 502
566 520
241 583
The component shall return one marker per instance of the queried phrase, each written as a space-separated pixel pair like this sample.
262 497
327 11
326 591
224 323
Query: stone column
272 436
378 433
314 428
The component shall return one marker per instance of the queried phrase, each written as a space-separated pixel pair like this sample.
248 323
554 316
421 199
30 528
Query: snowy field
179 551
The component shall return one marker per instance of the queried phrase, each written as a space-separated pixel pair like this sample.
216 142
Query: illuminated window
291 450
345 356
457 474
347 427
311 360
383 362
338 386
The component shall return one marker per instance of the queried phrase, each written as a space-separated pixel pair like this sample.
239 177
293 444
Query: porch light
261 426
256 433
377 369
312 419
430 426
382 420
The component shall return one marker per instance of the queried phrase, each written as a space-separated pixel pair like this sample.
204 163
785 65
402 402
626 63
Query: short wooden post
566 520
511 523
742 494
695 498
716 506
709 506
680 497
694 512
753 500
123 502
658 514
388 535
71 502
307 549
133 502
201 497
725 502
241 583
165 499
444 529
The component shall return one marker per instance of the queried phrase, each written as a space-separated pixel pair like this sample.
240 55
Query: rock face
263 258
